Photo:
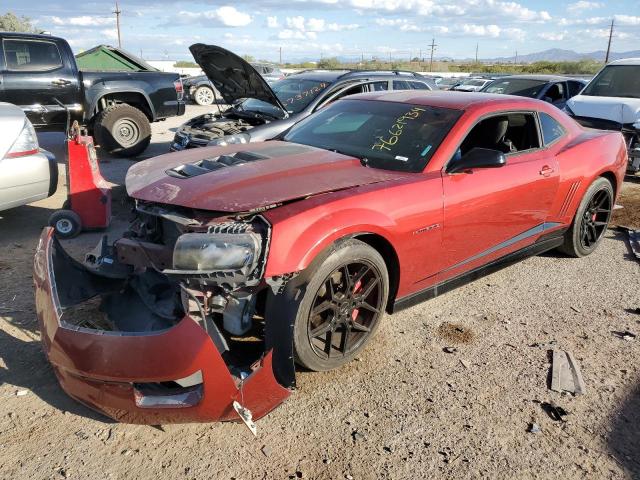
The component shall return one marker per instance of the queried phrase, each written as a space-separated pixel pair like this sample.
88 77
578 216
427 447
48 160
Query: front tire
122 130
591 220
343 297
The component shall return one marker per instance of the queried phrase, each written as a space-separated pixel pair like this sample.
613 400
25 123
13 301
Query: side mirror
479 158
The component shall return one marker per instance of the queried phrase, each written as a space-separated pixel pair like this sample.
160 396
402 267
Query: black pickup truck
39 74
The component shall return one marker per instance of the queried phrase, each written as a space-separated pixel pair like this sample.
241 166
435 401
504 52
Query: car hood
232 76
241 178
617 109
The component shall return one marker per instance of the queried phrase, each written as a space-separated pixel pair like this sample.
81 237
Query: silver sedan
27 173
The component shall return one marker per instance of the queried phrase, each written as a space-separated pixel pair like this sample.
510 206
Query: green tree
185 64
249 58
9 22
329 63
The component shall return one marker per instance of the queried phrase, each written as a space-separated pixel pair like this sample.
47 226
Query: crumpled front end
143 346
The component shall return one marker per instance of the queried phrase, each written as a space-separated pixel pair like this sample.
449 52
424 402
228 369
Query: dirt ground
408 408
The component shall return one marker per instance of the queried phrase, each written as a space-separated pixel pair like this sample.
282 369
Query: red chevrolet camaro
245 258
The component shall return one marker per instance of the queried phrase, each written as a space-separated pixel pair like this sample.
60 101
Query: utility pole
117 11
515 60
433 47
281 56
606 60
477 44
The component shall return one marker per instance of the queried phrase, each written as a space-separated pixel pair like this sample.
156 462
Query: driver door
490 212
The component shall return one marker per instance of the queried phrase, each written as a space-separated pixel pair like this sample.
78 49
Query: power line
433 47
117 11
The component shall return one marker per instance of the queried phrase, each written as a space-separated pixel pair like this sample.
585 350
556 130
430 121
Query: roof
626 61
42 36
448 99
543 78
333 75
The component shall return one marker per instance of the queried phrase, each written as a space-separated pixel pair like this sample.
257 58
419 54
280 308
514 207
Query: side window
337 96
401 85
556 93
508 133
419 86
575 88
551 129
379 86
31 55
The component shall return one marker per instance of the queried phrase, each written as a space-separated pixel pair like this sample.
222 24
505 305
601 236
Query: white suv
611 101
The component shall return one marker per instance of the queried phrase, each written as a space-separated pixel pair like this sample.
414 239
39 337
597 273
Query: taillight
179 88
26 143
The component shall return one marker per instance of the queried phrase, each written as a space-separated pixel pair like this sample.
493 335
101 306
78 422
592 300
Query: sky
311 29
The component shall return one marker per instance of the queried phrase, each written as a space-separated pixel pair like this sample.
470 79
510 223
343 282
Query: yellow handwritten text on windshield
384 143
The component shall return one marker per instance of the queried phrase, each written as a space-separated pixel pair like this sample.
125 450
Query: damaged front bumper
151 375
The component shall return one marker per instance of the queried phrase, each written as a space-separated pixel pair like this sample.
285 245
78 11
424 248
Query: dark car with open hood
260 110
243 259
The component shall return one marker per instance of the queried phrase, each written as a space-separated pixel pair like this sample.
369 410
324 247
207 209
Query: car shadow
623 440
27 368
620 233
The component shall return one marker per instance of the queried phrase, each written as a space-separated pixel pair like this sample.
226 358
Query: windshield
516 86
294 93
615 81
474 83
388 135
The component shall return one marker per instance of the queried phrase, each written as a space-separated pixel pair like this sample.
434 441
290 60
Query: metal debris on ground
554 411
534 428
449 350
565 374
626 335
246 417
634 241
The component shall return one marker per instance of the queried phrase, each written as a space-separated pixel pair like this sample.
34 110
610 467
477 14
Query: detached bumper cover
101 369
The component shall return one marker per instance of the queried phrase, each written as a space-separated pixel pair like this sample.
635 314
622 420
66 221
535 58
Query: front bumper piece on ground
111 371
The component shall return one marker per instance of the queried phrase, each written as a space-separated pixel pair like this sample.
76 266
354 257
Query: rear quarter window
551 128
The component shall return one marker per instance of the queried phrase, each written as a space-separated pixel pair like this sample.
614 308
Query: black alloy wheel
346 309
595 219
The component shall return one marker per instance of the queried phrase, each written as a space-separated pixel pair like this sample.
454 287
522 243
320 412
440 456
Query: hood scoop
207 165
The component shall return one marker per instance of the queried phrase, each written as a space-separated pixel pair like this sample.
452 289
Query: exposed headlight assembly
230 140
202 253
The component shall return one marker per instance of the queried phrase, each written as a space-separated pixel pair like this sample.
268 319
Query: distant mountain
560 55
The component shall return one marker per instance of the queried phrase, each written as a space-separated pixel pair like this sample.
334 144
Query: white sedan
27 173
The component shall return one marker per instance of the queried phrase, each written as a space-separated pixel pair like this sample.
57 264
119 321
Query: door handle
61 82
546 171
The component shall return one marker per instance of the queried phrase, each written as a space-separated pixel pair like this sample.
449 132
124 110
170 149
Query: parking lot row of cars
609 101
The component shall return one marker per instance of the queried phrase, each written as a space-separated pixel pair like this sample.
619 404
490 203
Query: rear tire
122 130
591 220
204 96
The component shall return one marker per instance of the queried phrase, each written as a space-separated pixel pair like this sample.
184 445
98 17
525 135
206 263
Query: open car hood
616 109
232 76
241 178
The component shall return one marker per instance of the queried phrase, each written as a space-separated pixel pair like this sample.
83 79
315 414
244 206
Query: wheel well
134 99
384 248
612 178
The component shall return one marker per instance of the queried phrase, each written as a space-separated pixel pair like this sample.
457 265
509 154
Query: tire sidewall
599 184
106 121
203 87
346 251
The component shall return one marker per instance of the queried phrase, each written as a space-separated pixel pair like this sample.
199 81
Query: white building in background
168 66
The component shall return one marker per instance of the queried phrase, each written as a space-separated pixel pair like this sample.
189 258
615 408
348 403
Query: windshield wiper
364 161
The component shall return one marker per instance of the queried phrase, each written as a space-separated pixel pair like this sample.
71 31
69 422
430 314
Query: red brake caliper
355 312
